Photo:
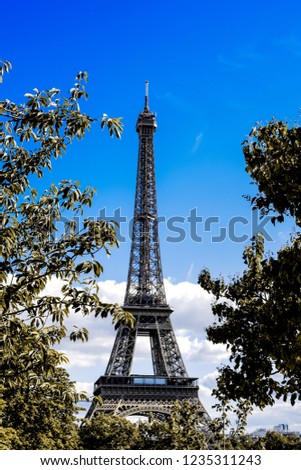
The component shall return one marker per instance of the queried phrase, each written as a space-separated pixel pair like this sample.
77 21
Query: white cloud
241 58
112 291
176 101
191 304
280 413
192 314
197 142
53 287
291 43
84 387
209 380
194 350
231 63
89 355
190 271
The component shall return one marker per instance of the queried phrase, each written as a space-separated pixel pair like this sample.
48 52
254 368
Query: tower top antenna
146 94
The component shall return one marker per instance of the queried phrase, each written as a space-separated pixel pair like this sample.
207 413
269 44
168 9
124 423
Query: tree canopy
258 313
180 431
33 251
272 154
109 432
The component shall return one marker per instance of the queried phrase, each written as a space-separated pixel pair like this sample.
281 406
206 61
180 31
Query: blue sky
215 69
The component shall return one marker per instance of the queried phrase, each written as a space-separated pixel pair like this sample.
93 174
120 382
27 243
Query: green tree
272 154
258 314
243 442
7 434
181 430
33 251
276 441
108 432
271 441
40 402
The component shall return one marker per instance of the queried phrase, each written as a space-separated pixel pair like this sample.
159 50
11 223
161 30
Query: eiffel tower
122 393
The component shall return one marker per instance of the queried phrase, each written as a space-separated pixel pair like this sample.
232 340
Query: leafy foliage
258 314
5 67
33 251
108 432
180 431
40 399
7 434
271 441
276 441
272 154
258 318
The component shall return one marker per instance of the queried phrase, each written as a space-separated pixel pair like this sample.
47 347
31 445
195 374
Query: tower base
141 395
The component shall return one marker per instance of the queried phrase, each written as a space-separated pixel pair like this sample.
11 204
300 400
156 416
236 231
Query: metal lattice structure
122 393
145 280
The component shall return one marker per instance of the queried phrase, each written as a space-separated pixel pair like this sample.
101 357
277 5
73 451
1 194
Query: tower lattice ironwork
123 393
